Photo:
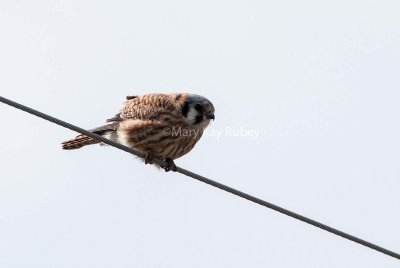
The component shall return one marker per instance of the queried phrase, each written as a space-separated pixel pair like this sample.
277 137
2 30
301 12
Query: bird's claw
170 165
148 158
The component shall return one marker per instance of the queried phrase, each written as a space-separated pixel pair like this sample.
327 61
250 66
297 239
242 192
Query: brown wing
150 106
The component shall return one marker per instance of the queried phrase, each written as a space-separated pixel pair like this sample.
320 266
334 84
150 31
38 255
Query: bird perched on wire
162 126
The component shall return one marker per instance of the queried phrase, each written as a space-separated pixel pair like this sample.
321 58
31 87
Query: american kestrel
162 126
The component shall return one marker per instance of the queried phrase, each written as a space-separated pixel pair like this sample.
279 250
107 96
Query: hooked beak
211 116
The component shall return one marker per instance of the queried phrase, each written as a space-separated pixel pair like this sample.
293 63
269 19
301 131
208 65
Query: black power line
205 180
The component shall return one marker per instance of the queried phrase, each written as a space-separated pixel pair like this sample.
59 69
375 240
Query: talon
170 165
148 158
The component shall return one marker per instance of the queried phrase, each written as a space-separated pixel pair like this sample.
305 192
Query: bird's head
197 110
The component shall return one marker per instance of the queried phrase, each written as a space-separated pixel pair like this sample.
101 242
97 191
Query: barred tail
78 142
83 140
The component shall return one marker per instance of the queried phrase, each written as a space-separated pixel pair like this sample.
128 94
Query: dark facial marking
185 109
199 118
178 96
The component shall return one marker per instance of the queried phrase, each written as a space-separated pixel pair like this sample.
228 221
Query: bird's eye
198 107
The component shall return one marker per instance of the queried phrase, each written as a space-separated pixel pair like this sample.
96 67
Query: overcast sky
317 80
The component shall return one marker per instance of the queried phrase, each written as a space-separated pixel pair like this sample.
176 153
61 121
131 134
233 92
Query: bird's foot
170 165
148 158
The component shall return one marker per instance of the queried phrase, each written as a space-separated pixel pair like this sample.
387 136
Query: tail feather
83 140
78 142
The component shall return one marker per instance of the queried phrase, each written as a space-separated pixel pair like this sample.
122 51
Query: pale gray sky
318 79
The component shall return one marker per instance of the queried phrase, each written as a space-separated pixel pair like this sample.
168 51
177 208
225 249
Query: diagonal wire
205 180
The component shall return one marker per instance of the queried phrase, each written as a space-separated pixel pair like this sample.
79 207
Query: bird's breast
162 138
